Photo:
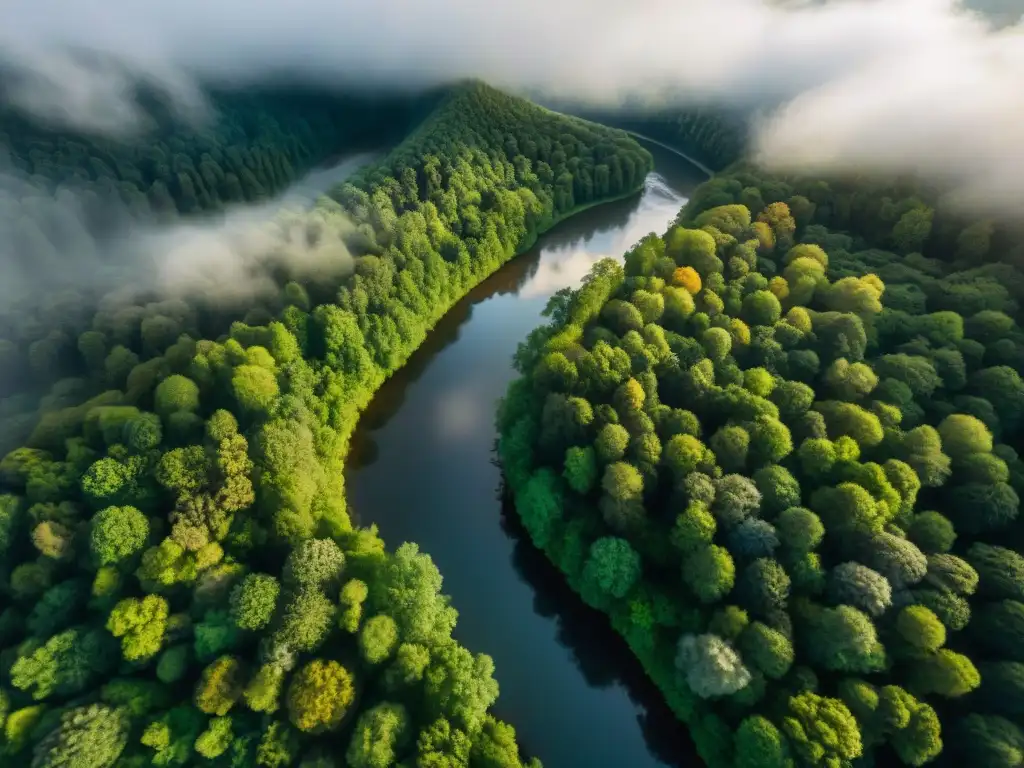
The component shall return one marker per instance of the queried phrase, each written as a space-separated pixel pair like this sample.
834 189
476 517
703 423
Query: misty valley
430 427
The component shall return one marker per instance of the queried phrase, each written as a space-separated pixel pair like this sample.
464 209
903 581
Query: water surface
422 468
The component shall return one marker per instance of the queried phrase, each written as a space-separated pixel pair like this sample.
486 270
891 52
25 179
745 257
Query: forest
182 584
776 445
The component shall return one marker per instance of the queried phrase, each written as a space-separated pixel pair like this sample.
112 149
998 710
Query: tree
610 571
710 573
736 497
117 533
306 620
263 691
931 532
963 435
982 507
353 595
946 673
176 393
1000 571
990 741
495 747
920 628
912 230
379 734
694 528
822 731
254 600
800 529
897 559
759 744
764 586
581 468
140 623
761 308
279 746
753 538
254 387
460 686
442 746
766 649
378 638
844 639
408 588
215 740
319 696
622 481
314 564
612 441
951 574
778 487
220 686
717 343
730 445
683 454
90 736
710 666
65 665
861 587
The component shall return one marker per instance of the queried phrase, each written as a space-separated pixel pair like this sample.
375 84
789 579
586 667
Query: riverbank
421 470
361 403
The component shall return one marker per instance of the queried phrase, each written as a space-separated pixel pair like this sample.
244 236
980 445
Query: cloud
50 242
915 85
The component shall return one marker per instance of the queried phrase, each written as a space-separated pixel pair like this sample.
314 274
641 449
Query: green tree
379 734
822 731
759 744
319 696
117 533
220 686
90 736
176 393
254 600
378 638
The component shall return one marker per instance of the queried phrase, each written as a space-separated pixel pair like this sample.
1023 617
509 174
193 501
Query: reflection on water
422 469
600 653
566 263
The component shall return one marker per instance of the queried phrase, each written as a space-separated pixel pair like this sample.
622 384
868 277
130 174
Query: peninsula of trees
179 579
778 447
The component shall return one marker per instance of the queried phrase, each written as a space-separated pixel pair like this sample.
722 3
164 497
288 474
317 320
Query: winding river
422 468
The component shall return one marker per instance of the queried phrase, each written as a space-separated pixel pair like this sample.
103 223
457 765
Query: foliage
843 496
177 491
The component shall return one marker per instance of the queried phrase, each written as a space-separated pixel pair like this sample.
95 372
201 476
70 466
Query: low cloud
51 242
894 85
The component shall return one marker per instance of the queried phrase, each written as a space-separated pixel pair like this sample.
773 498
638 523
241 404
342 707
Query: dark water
422 469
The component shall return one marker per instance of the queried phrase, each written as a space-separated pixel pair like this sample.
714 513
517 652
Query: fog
231 255
897 85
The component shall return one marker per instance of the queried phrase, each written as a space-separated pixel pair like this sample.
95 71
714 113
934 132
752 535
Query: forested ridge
181 581
778 447
254 145
715 137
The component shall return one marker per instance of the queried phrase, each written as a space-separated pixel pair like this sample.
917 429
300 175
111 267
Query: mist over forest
775 446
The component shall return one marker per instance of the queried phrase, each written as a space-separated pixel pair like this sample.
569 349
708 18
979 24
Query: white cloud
913 85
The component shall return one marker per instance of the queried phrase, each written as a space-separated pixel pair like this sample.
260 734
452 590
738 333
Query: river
422 468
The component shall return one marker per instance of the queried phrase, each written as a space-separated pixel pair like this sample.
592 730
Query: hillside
180 577
784 461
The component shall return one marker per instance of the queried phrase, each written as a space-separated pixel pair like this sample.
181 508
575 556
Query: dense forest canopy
778 446
181 583
713 136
